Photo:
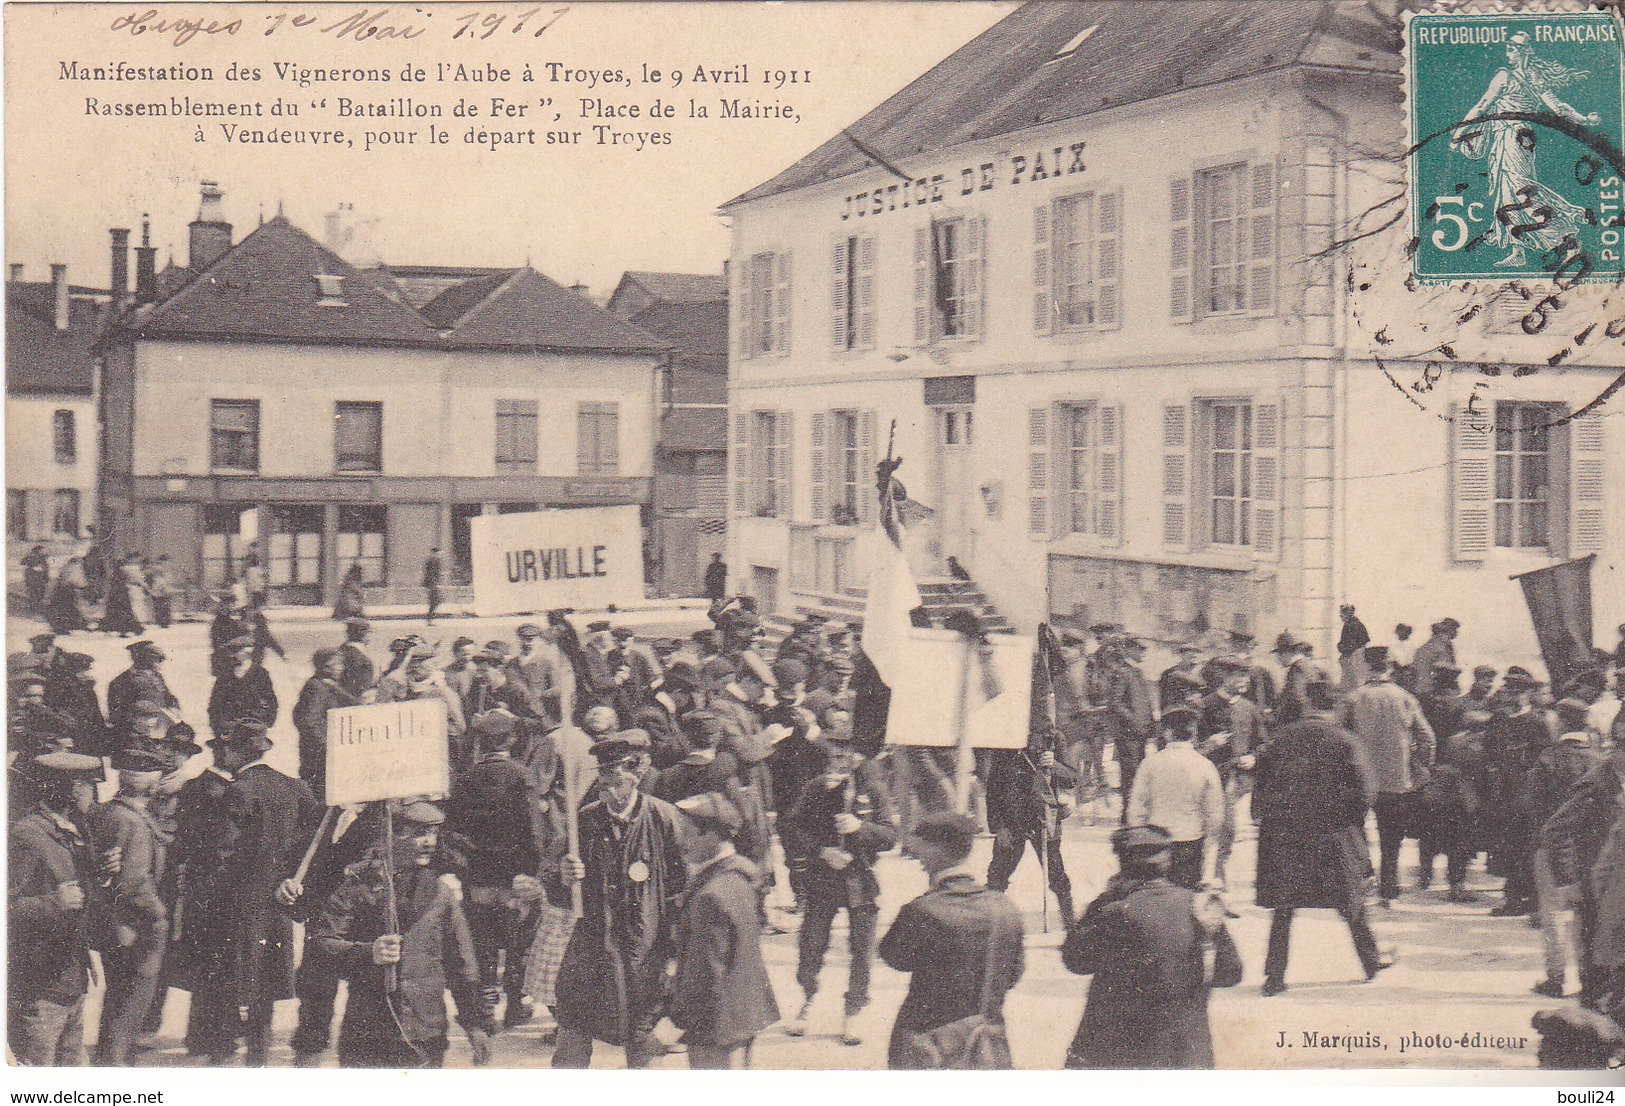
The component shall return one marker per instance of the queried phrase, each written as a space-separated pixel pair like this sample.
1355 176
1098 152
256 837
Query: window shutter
1586 486
1176 493
1261 242
742 425
609 439
1181 231
868 495
1472 470
781 303
866 293
975 273
922 285
784 442
838 306
1109 474
1038 469
739 304
1043 313
1267 491
820 467
1108 262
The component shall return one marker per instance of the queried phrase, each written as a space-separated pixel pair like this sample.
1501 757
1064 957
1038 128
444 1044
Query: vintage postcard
815 536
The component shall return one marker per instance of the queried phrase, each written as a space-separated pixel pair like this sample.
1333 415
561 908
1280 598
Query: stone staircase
939 594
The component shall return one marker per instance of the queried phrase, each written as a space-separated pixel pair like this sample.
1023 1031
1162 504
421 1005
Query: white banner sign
583 557
923 697
387 751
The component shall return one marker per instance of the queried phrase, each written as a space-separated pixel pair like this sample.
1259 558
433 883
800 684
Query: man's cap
1483 672
1100 629
356 624
1376 655
1242 637
1189 648
137 759
528 630
703 723
1518 676
1577 707
182 738
242 641
955 832
1182 681
66 764
622 633
145 648
619 746
322 656
1231 664
420 812
1447 624
400 645
250 732
789 672
1446 668
1141 840
494 723
1285 643
462 641
46 638
496 650
712 810
1179 717
599 626
815 618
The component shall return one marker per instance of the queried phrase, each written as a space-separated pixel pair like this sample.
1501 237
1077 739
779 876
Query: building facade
282 397
51 436
690 312
1146 380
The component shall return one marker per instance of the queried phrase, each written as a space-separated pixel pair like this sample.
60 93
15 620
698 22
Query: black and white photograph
814 537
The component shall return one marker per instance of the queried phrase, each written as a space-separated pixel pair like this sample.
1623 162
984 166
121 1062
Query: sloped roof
455 302
699 331
265 289
680 287
1018 74
40 359
526 310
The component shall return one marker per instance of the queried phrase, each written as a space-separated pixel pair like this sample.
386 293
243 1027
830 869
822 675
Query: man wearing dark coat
1351 645
430 950
960 942
1311 794
324 691
721 998
610 986
70 690
1147 944
359 671
1024 808
841 823
716 578
1513 739
200 955
242 689
270 818
142 682
1128 710
1573 838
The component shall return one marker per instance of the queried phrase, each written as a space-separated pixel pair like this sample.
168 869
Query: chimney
580 289
120 283
146 266
210 233
59 293
16 273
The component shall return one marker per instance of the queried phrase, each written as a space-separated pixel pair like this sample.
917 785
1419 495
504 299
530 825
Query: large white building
1093 265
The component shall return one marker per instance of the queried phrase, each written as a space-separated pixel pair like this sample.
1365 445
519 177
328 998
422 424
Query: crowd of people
621 812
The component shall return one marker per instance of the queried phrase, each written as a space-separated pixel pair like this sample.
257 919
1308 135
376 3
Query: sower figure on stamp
841 823
611 984
401 1022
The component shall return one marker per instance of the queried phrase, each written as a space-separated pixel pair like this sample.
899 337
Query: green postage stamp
1514 154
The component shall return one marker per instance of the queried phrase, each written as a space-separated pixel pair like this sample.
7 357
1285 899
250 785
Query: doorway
294 561
955 492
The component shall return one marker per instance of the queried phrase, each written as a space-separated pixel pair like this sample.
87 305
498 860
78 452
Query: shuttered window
1175 478
1089 458
1085 265
1472 446
766 310
852 294
1587 488
1223 242
358 437
516 435
598 439
950 272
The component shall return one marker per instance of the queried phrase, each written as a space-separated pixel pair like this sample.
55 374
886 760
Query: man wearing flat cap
961 943
324 691
1129 717
242 688
676 696
540 674
1179 790
611 985
70 691
429 949
1513 739
270 818
134 958
54 905
721 998
1439 648
1149 944
143 681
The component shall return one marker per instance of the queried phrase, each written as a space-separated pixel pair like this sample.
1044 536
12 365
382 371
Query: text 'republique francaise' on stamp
1513 153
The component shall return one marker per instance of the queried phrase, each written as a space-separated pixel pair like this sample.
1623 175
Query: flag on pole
889 613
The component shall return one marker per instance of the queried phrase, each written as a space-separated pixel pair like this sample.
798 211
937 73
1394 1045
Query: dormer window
1077 40
332 289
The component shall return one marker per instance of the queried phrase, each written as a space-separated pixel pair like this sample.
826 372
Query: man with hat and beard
642 666
1313 790
611 985
493 821
1149 944
491 686
359 671
841 823
134 958
324 691
54 906
601 672
537 674
1513 739
270 818
401 1023
721 998
242 688
1128 710
143 681
200 951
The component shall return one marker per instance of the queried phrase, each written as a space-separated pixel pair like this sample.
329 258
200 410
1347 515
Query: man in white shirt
1179 790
